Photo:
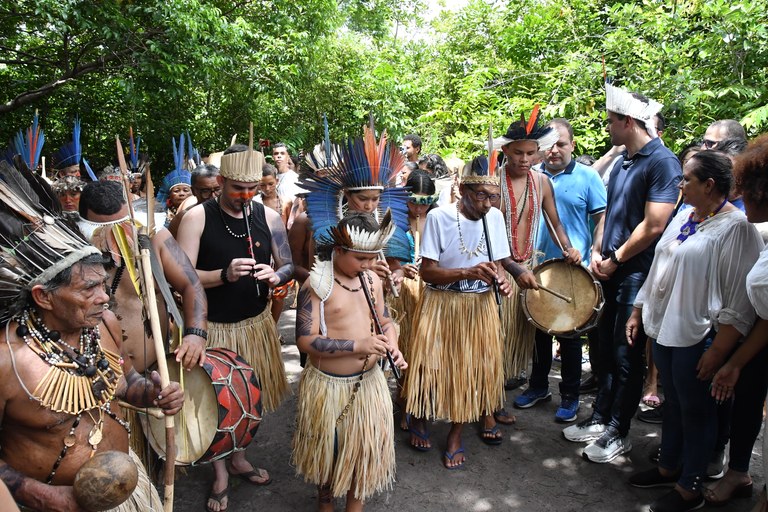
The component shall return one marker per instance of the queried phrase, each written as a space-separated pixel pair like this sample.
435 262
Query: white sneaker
585 431
608 447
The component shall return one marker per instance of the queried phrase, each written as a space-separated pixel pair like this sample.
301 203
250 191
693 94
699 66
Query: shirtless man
344 356
32 435
102 205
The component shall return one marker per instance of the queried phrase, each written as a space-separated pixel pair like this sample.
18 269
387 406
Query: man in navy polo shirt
580 195
642 194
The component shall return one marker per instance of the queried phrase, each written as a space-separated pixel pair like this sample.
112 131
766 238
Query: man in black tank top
230 241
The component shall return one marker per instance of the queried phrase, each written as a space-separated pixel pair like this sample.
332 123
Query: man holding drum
61 358
580 195
525 195
642 194
230 242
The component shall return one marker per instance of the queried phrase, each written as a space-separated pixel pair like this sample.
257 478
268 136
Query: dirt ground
535 469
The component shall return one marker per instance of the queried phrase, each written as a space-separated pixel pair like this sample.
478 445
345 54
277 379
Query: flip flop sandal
494 439
218 497
246 476
652 401
424 436
448 455
407 419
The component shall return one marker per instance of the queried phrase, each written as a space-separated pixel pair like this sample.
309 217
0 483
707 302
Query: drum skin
554 315
105 481
221 412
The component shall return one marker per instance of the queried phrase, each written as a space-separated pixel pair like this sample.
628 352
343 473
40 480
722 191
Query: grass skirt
255 340
403 311
517 332
359 454
455 367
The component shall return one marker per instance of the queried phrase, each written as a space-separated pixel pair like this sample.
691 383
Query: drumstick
490 258
151 411
375 316
553 292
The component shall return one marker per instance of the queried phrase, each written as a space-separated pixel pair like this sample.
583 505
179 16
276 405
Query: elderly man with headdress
61 358
231 241
456 371
642 194
526 196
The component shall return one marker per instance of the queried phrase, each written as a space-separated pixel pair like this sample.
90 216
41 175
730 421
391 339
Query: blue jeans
570 364
622 368
689 429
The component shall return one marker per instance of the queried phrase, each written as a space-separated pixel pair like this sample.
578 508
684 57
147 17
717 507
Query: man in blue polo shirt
642 194
580 195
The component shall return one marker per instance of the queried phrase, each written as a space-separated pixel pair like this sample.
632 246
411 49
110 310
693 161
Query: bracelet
224 276
196 331
614 258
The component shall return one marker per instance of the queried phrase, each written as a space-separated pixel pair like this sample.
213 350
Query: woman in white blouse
694 306
744 376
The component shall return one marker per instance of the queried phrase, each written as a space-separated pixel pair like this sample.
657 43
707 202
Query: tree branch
28 97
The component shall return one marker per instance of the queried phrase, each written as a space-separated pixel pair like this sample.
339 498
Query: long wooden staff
377 323
162 367
150 306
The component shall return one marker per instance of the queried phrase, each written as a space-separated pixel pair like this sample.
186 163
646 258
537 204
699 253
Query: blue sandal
495 440
449 457
424 436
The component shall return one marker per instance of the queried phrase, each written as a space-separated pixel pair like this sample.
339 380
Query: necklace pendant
70 441
95 436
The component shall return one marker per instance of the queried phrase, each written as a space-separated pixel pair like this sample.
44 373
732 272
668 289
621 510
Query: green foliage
211 66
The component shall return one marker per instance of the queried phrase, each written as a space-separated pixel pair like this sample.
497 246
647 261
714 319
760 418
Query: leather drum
554 315
221 413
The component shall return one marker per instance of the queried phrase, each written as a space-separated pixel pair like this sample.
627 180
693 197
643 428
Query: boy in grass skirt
344 427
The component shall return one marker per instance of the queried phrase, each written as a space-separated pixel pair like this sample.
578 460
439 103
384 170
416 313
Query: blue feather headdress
178 176
192 154
133 150
70 153
30 144
361 164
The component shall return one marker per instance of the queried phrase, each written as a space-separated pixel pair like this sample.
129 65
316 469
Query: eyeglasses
208 191
709 144
482 196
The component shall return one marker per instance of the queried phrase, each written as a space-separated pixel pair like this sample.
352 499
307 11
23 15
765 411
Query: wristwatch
615 259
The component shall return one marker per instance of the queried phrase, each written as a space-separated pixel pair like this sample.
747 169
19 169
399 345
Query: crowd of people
453 278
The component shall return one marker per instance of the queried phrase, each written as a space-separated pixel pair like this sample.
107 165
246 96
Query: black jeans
570 366
622 367
740 418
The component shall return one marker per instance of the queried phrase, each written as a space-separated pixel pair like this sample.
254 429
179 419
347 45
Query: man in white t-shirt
456 356
286 178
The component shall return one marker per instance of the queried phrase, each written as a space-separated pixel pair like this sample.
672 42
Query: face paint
241 196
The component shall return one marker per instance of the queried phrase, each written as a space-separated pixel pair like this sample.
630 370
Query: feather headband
360 164
482 170
528 130
351 238
35 244
622 102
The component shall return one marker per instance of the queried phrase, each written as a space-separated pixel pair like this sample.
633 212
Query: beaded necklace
226 226
514 216
79 379
689 228
480 249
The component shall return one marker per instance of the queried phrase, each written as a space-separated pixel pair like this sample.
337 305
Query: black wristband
224 276
196 331
615 259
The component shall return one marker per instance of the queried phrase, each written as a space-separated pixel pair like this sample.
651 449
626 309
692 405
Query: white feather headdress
622 102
